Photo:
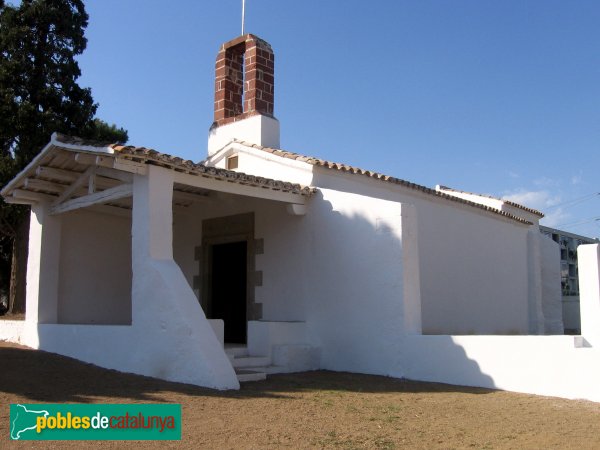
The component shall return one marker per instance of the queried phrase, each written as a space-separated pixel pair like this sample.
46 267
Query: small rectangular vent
232 162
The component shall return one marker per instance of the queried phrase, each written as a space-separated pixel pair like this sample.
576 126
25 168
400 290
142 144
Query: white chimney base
257 129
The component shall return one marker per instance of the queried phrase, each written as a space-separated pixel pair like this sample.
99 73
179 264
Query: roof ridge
165 158
151 156
160 158
508 202
76 140
377 175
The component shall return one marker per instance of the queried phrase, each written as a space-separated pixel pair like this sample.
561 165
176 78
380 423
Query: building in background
569 274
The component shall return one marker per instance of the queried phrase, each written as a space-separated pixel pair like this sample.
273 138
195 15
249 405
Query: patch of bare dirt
17 316
308 410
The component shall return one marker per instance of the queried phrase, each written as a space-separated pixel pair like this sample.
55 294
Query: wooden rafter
115 174
51 173
78 183
97 198
23 197
33 184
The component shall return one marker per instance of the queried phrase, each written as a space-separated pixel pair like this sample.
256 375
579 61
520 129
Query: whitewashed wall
11 330
473 265
543 365
258 129
283 262
341 268
588 261
95 269
169 337
257 162
355 284
473 271
285 275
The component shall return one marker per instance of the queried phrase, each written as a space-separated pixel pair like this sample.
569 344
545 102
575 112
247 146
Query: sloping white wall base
170 337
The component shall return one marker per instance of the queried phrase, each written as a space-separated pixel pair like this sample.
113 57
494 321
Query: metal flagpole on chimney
243 14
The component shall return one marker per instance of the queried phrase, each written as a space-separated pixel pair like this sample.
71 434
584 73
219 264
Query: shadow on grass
39 376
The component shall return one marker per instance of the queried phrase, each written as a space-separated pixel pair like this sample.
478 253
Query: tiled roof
151 156
154 157
379 176
508 202
74 140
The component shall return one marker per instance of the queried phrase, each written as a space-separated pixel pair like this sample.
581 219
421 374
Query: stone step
244 375
243 362
276 369
236 350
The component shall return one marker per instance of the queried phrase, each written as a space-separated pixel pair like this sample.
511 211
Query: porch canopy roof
72 173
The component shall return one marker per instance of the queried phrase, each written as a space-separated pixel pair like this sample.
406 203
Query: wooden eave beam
107 172
111 162
54 174
190 196
23 197
227 186
33 184
97 198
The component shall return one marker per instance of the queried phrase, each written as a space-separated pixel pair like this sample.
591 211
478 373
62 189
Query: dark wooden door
228 289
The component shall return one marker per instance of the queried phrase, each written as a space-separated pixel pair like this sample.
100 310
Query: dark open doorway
228 288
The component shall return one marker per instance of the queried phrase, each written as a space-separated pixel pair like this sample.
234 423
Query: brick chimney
244 94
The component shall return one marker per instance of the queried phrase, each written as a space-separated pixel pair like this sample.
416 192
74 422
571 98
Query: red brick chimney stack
244 80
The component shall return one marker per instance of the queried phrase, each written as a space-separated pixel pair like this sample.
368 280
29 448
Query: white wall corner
264 335
43 265
296 209
218 326
152 215
410 270
165 311
588 260
258 129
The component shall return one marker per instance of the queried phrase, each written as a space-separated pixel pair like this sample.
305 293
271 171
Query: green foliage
101 131
39 94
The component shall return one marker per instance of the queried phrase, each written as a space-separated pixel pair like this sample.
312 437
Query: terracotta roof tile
508 202
382 177
155 157
152 156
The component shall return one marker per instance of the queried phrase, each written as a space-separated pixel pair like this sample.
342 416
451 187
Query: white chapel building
258 260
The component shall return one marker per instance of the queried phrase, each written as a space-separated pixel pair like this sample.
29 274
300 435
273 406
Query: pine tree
39 94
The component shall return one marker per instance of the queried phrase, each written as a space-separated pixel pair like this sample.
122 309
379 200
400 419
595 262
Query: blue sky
496 97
